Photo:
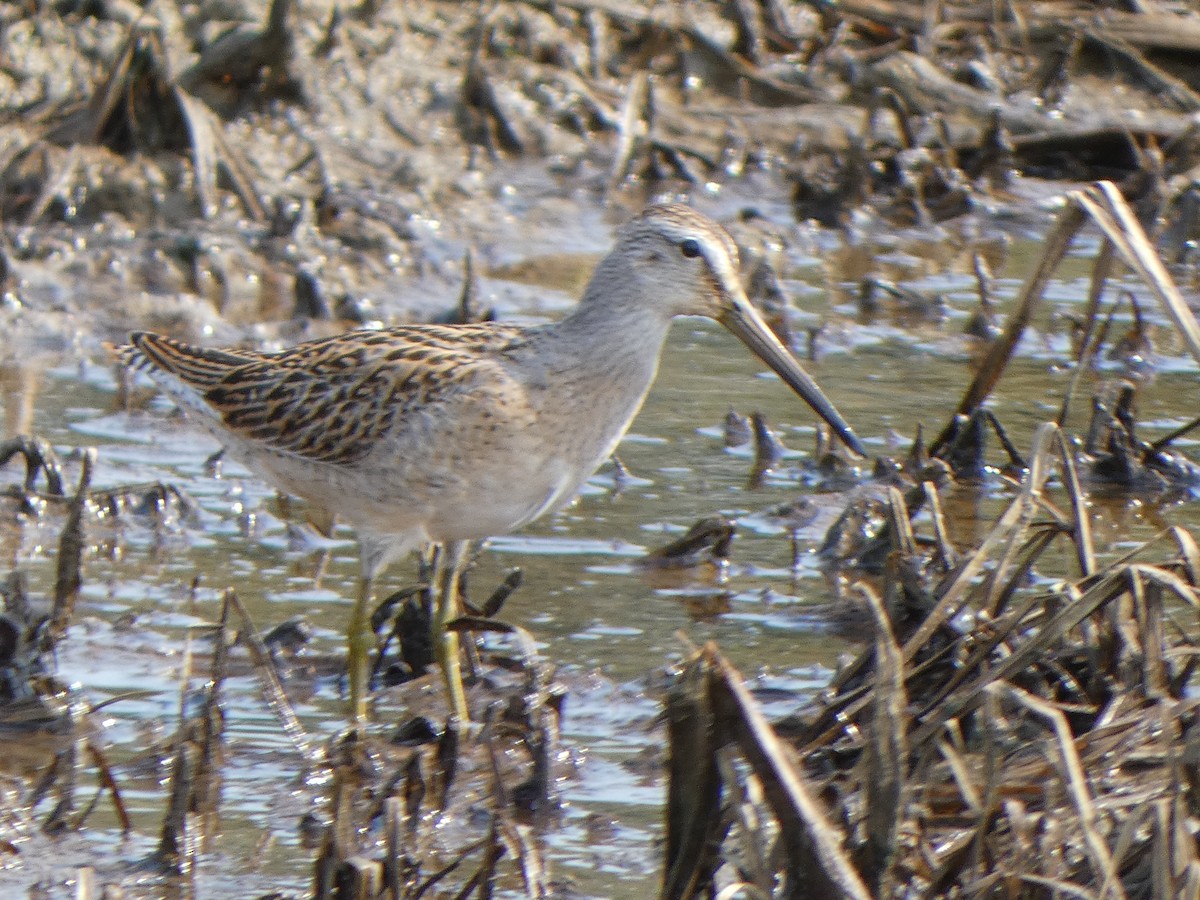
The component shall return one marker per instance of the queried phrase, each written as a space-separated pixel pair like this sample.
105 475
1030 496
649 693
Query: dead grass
1000 735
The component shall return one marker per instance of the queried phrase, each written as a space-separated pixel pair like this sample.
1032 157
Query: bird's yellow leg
358 646
448 606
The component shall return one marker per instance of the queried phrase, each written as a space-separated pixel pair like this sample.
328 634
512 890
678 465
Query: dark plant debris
996 732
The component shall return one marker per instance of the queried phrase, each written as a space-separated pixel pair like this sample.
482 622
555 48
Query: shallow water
606 624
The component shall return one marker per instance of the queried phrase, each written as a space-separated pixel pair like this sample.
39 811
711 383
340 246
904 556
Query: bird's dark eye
690 248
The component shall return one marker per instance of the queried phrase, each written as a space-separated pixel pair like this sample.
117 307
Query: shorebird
446 434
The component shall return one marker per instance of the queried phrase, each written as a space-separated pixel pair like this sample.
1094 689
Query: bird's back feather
328 400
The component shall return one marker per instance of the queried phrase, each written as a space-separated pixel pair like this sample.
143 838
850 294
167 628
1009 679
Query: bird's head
687 265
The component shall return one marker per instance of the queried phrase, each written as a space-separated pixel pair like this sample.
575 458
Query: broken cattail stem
69 575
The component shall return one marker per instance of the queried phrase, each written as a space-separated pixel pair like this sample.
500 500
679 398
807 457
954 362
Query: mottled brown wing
331 399
198 367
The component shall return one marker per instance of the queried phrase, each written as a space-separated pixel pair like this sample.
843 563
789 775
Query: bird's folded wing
328 400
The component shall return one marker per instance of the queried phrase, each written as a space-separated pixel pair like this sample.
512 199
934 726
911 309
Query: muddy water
608 625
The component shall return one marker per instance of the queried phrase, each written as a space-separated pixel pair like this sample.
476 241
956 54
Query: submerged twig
69 576
273 691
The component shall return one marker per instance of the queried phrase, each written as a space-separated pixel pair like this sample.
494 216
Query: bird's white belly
454 493
496 509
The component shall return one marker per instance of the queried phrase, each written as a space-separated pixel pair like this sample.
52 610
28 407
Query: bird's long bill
741 318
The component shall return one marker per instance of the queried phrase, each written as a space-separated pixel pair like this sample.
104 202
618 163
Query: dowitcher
451 433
